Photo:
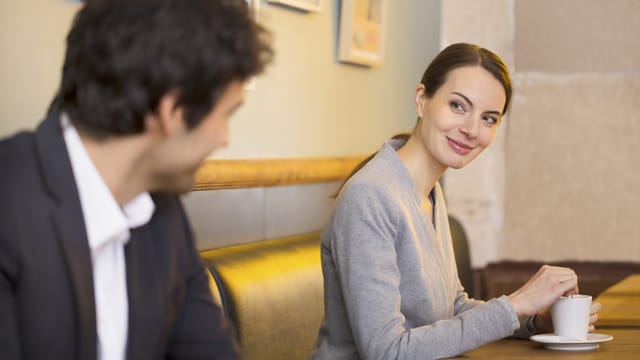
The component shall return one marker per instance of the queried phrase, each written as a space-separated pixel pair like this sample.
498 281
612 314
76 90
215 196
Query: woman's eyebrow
464 97
496 112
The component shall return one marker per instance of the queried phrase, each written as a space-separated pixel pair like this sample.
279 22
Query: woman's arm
364 253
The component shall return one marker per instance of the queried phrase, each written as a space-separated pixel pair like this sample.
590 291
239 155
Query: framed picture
362 31
308 5
254 7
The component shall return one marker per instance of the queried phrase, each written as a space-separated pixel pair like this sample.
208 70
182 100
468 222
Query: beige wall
577 36
572 170
307 104
475 193
560 182
572 165
32 35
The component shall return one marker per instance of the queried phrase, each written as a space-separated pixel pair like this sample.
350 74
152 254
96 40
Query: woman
391 285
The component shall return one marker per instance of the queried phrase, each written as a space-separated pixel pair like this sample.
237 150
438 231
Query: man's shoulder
16 144
17 156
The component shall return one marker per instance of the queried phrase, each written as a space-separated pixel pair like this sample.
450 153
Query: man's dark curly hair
124 55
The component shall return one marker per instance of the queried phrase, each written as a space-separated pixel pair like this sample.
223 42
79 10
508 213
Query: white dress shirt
107 226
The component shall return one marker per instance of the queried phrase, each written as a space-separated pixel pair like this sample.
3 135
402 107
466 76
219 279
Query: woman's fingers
568 281
593 318
595 307
570 287
544 288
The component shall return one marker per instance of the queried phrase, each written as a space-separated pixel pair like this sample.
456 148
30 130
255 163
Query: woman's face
462 117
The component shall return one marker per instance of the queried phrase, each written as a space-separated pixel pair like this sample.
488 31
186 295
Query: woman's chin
457 164
460 161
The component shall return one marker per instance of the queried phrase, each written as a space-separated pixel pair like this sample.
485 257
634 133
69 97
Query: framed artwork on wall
254 6
362 31
307 5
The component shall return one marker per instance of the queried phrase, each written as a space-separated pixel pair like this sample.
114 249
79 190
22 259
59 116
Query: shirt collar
104 220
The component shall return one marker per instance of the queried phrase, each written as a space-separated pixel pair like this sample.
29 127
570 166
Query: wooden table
621 305
625 345
620 317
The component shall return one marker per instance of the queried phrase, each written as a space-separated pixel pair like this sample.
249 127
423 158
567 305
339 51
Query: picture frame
362 32
254 9
306 5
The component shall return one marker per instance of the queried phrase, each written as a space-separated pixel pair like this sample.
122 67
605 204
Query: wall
560 181
310 105
306 105
572 170
32 36
475 193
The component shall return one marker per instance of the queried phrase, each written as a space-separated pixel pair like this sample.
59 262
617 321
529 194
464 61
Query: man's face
185 149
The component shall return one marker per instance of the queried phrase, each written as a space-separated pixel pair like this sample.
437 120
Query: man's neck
119 160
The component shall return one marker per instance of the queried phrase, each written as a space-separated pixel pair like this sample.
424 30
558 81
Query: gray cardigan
391 285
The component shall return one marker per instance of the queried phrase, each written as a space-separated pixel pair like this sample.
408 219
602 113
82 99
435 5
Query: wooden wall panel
233 174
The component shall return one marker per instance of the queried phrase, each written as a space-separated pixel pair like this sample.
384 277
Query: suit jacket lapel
69 224
146 294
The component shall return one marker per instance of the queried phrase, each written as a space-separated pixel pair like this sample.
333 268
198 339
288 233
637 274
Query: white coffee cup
570 316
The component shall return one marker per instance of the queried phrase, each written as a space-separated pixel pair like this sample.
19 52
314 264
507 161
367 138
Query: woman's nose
470 129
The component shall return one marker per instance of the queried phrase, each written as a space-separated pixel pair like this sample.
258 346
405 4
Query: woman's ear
168 116
420 100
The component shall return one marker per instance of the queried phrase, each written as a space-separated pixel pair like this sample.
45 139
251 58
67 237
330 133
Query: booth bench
272 291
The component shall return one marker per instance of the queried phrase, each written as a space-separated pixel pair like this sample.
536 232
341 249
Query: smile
459 147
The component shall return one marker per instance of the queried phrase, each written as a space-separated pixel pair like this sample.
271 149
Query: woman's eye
490 120
457 106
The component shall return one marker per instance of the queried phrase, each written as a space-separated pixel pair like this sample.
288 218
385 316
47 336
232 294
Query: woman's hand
595 309
543 289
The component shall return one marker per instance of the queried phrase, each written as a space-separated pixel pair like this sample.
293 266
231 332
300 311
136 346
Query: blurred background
560 183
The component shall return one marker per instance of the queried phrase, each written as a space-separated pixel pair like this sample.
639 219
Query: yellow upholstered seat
273 292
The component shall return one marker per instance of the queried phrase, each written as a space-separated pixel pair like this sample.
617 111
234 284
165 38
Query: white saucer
554 342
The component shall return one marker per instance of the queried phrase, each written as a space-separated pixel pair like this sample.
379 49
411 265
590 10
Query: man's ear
420 100
168 117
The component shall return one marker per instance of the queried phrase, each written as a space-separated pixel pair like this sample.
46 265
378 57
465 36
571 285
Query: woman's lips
459 147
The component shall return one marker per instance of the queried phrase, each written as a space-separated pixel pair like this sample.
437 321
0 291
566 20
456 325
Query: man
97 259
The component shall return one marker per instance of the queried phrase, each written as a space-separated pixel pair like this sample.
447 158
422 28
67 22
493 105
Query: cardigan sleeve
526 327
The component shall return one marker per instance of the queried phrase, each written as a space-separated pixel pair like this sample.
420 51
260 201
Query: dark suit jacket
47 306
